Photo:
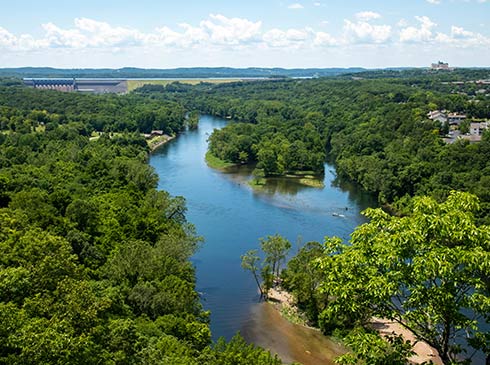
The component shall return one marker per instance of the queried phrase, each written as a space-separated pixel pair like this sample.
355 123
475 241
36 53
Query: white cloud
7 39
317 4
435 2
23 42
295 6
402 23
288 38
223 30
226 36
364 32
89 33
459 32
421 34
462 38
324 39
367 15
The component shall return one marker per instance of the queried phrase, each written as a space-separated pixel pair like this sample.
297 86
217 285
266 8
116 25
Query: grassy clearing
215 163
257 184
158 141
305 173
312 182
134 84
95 136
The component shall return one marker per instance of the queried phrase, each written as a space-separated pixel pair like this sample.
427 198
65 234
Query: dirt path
423 352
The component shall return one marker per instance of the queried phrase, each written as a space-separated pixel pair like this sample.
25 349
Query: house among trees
439 115
477 129
153 133
157 132
455 118
443 116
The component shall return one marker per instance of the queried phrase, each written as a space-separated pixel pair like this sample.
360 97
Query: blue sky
274 33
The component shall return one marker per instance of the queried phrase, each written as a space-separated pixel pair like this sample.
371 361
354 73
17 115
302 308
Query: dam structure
94 86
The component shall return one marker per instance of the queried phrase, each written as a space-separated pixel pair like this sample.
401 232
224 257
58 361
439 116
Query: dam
86 85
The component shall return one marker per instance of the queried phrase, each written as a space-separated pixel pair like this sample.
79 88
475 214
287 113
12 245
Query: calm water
231 218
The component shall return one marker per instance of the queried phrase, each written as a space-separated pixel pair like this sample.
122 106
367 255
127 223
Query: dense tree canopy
95 261
375 130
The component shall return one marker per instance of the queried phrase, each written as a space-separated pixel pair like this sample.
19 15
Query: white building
441 66
476 129
439 115
455 118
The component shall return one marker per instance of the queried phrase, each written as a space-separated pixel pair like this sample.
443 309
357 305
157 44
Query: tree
259 176
370 348
275 248
250 262
425 271
464 127
302 278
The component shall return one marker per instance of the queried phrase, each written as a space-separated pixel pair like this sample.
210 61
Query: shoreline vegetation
306 178
216 163
284 302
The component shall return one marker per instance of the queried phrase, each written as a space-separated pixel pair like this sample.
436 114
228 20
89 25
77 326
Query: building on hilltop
441 66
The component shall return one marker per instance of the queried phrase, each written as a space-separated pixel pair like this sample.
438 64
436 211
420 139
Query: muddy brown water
291 342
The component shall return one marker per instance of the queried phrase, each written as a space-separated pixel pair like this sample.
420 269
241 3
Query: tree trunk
262 294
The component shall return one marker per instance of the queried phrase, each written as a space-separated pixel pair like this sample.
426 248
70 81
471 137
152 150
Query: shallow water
267 328
232 217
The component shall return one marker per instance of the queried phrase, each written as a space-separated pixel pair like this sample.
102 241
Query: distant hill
194 72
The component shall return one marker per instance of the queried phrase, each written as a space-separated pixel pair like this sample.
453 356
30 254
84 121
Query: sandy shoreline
423 352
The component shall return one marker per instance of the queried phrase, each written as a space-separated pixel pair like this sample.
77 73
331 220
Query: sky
252 33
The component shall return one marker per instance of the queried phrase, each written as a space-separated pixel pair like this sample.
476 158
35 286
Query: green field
134 84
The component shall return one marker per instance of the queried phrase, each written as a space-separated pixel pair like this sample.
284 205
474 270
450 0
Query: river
232 217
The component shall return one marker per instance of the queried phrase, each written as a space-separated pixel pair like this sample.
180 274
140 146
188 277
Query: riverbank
156 142
216 163
423 352
284 303
293 343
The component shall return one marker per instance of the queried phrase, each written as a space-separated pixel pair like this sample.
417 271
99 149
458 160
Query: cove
231 218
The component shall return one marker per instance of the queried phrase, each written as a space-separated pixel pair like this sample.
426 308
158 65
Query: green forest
374 130
422 260
95 261
95 265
